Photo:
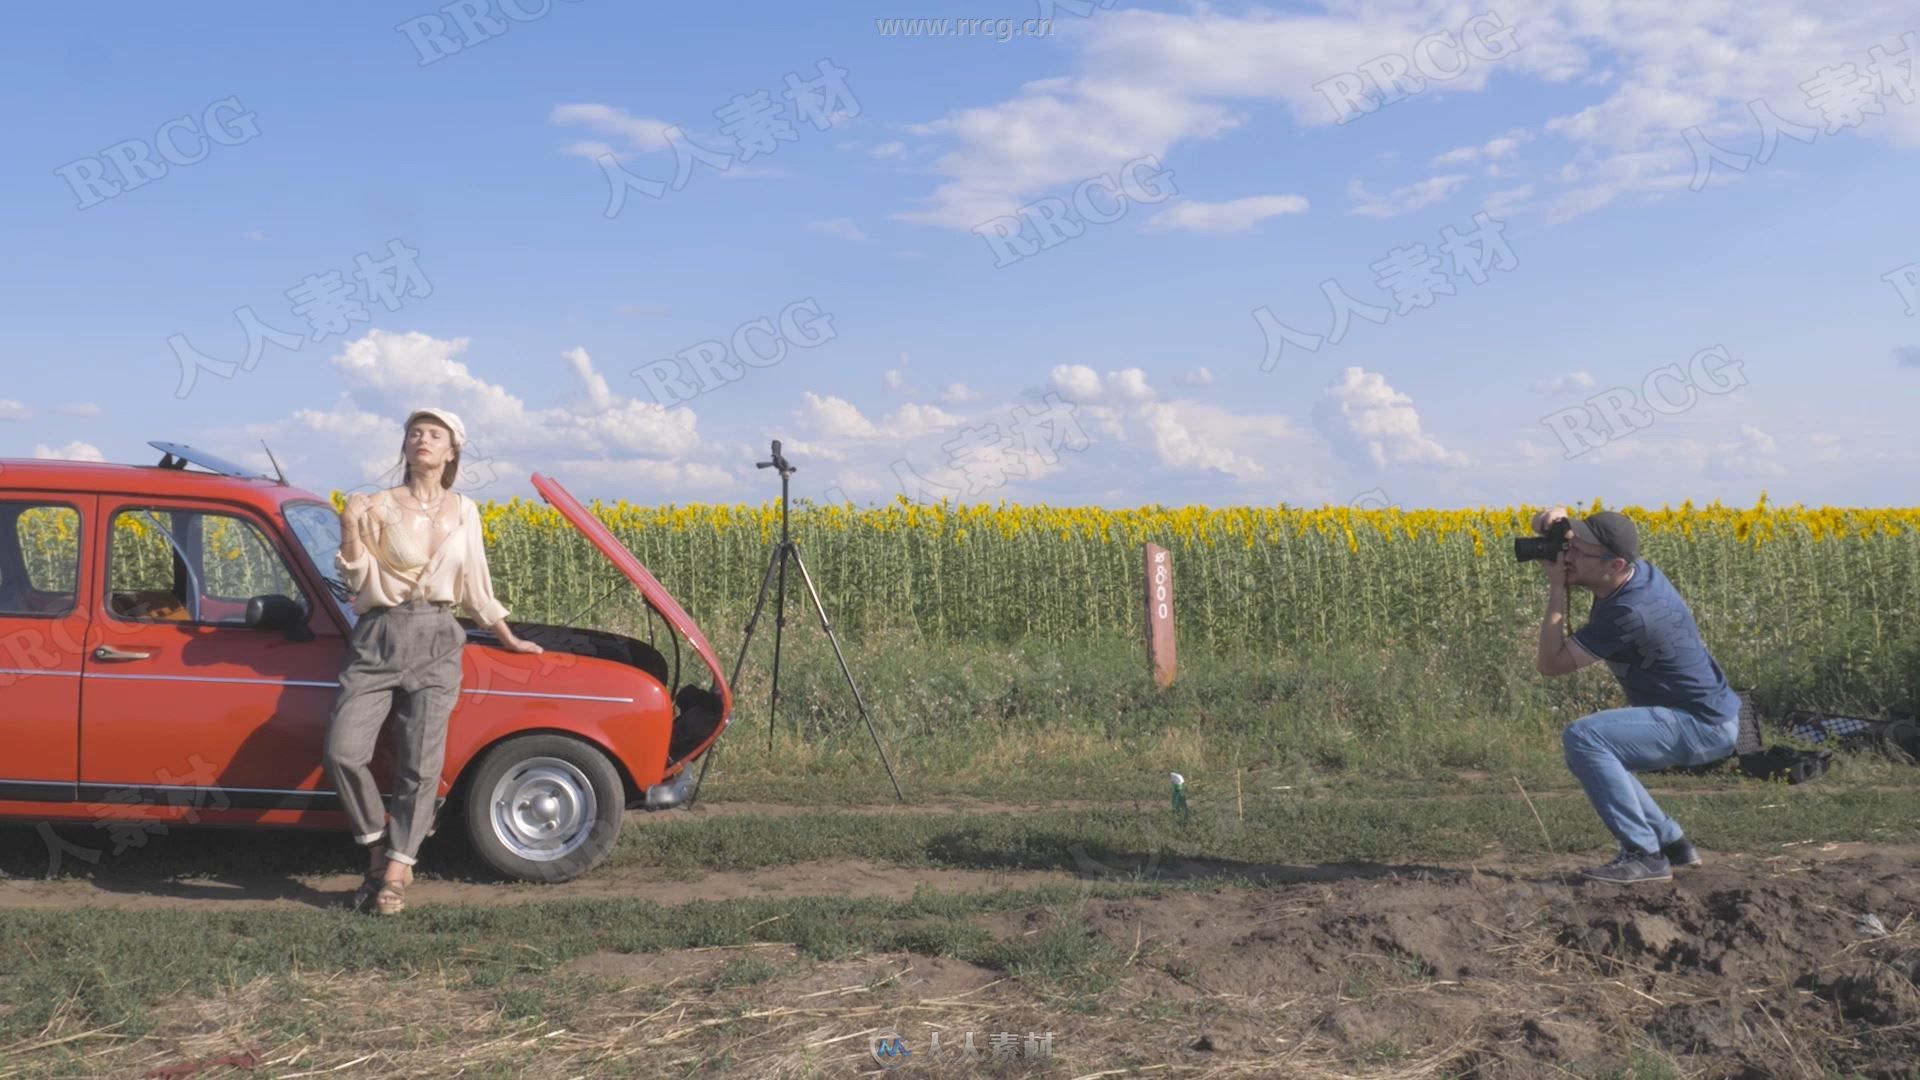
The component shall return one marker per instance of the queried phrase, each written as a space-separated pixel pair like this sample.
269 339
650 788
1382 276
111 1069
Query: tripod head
780 463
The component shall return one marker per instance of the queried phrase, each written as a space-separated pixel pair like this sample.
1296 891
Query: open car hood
623 560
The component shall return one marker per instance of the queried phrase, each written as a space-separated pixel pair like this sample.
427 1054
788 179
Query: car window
238 562
167 564
46 539
317 527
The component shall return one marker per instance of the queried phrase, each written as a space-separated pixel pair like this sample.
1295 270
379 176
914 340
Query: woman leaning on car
409 554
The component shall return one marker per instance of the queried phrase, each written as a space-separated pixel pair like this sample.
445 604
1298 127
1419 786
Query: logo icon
888 1048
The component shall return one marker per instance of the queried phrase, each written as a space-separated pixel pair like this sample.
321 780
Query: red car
170 640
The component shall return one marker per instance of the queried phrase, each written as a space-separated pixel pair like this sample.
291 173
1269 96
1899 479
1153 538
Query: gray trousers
403 660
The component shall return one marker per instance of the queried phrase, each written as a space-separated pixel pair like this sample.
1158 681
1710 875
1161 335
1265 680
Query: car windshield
317 527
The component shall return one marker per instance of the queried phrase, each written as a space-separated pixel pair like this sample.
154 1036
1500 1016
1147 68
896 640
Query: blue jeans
1605 749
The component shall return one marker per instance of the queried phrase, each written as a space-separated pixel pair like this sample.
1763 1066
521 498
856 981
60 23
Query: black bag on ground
1753 758
1778 762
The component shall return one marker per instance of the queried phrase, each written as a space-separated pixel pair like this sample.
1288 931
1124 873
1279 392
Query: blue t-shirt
1648 639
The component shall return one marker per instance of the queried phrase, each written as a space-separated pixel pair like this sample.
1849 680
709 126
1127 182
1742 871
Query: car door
44 596
185 704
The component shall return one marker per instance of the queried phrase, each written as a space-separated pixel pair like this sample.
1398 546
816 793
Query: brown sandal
370 883
392 898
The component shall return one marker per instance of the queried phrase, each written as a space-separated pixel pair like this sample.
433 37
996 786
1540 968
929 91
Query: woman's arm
476 587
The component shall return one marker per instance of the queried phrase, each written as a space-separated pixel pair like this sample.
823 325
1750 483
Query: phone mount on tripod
787 549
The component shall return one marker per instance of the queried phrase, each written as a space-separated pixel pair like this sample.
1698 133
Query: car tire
544 808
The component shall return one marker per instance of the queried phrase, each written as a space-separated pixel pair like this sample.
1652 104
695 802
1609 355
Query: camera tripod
787 549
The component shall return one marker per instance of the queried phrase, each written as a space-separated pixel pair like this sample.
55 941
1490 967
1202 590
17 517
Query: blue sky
1777 298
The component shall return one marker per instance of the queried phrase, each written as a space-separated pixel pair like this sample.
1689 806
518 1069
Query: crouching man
1680 711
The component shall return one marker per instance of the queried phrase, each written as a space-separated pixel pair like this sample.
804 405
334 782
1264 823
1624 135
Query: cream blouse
393 569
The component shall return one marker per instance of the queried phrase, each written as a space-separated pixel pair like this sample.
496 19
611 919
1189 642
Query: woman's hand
355 514
519 645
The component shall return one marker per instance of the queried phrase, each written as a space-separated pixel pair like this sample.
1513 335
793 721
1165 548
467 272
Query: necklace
425 512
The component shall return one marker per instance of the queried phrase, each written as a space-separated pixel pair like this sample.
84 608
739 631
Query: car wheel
544 808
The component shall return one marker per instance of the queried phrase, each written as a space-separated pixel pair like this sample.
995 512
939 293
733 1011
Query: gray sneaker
1681 853
1631 868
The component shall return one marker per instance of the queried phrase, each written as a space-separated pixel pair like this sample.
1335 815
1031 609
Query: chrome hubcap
544 809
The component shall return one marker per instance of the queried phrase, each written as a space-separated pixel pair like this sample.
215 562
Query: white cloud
1237 215
1560 384
73 451
1130 385
640 133
910 420
649 449
1146 82
958 394
843 228
1370 423
80 408
894 380
1180 447
1199 376
14 410
888 150
595 384
1077 381
836 417
350 423
1058 131
1080 383
1491 150
1402 200
1502 204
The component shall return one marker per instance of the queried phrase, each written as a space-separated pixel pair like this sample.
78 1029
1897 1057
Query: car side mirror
276 612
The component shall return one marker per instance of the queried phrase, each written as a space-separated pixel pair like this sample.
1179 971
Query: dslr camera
1544 548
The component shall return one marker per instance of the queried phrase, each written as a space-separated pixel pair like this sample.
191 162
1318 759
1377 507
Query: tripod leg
779 625
844 670
733 679
766 580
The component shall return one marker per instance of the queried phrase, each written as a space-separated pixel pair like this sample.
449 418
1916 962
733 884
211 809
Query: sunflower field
1773 588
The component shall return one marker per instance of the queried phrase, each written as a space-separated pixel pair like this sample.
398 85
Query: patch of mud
1757 967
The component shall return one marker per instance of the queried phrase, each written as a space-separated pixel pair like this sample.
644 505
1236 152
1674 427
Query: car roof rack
180 455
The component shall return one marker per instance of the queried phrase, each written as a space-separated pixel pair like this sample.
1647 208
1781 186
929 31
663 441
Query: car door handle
108 652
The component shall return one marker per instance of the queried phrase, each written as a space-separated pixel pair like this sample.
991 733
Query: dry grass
815 1020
